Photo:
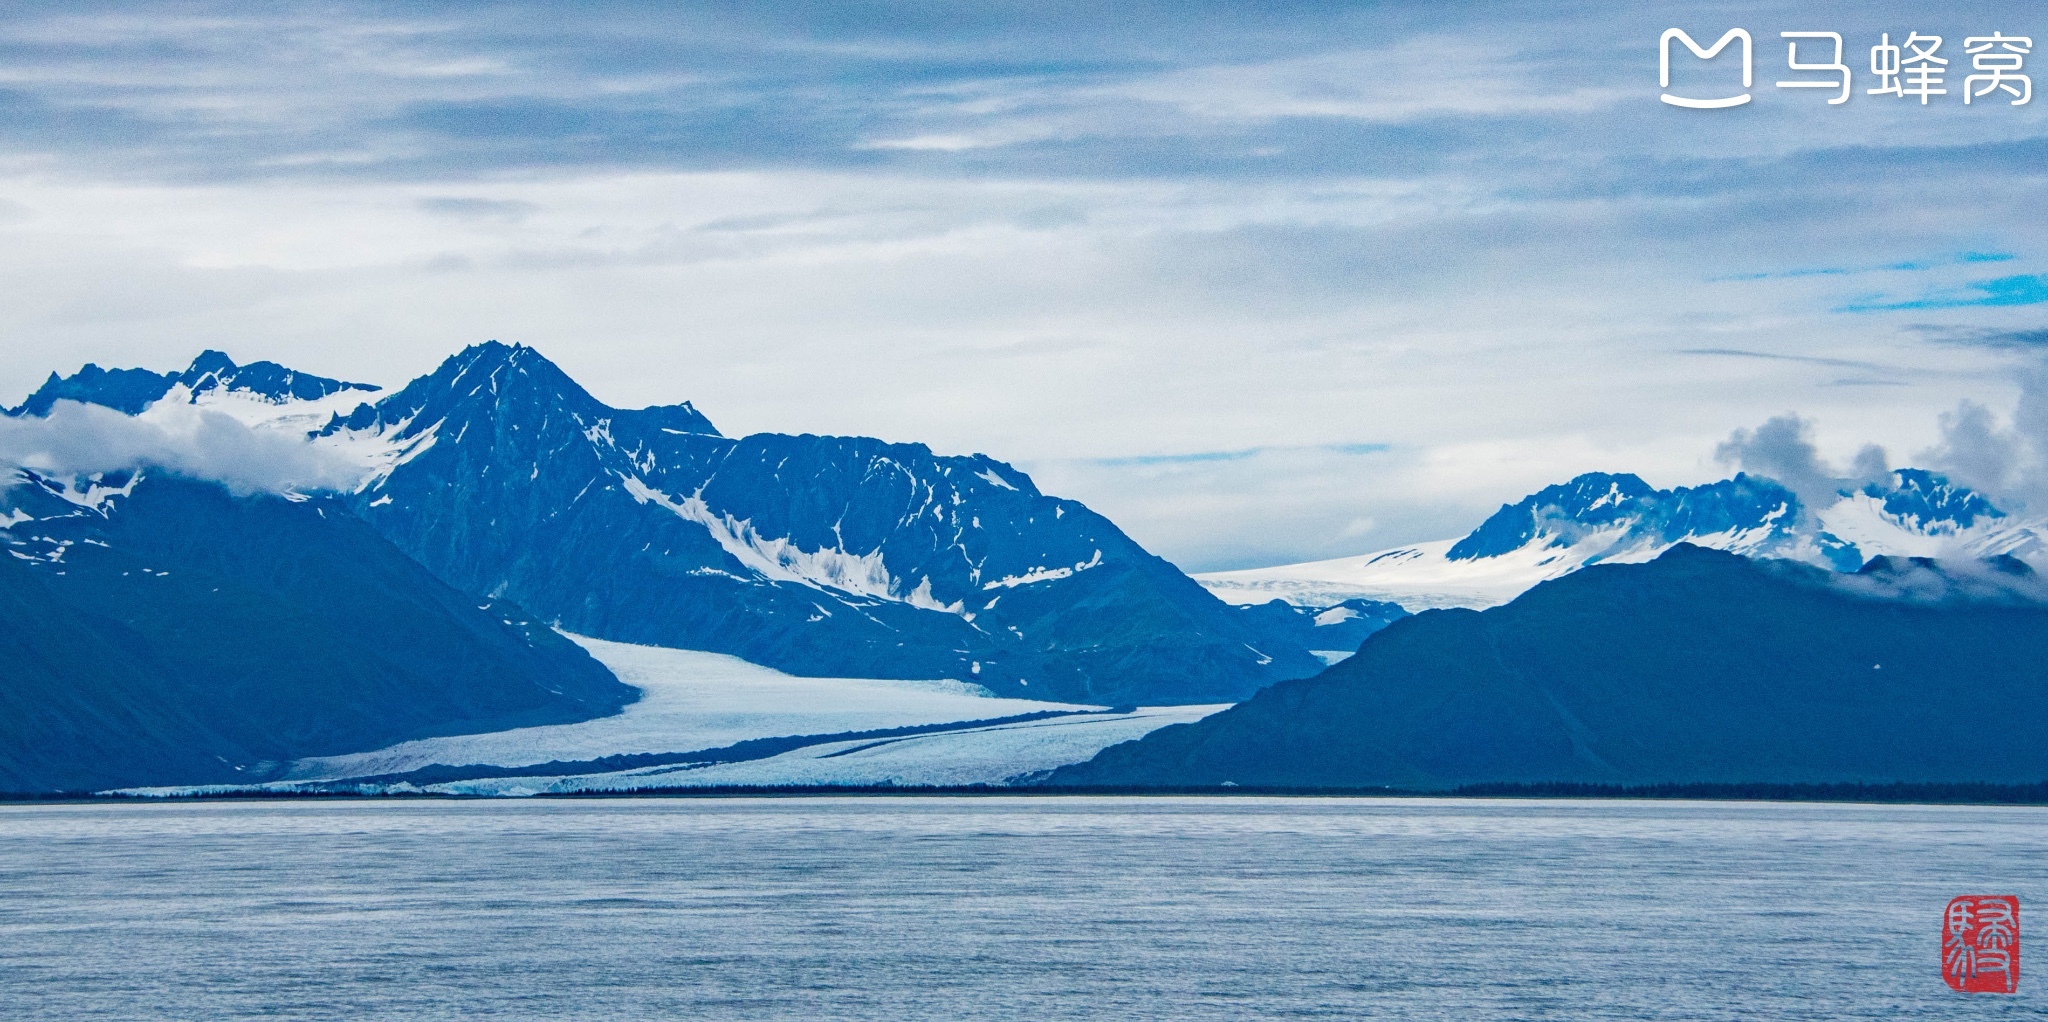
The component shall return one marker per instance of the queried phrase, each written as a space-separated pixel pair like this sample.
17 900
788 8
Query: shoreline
1850 794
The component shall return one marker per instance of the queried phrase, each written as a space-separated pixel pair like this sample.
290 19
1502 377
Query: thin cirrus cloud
1907 266
1204 457
2003 340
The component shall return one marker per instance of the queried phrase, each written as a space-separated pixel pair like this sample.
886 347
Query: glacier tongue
691 701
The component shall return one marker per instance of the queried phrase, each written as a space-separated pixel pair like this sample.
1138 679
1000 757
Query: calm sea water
1000 908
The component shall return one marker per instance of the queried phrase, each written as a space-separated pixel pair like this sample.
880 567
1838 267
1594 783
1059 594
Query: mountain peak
126 390
508 372
214 370
512 392
1563 511
211 361
129 391
1922 497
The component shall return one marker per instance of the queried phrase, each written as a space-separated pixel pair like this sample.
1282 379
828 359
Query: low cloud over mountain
80 440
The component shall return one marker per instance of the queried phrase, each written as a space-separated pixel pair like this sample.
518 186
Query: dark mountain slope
1699 666
178 635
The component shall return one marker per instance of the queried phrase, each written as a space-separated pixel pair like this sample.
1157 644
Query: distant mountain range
162 630
1606 518
1699 666
823 556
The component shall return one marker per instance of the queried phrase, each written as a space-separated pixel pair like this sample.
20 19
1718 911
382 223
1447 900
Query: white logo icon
1664 68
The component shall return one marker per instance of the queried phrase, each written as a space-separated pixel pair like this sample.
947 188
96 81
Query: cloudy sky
1262 285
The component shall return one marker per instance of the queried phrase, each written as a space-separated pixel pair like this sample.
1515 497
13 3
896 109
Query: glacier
694 701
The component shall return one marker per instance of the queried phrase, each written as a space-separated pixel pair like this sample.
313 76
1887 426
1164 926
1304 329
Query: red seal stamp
1980 944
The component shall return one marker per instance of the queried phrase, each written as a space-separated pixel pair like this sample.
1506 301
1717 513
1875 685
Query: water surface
999 908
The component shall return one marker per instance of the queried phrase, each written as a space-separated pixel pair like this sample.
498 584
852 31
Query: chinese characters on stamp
1913 68
1980 943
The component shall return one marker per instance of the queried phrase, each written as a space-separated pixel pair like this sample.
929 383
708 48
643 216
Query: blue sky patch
2023 289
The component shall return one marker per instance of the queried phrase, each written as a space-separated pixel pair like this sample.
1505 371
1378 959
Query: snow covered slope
1416 577
1606 518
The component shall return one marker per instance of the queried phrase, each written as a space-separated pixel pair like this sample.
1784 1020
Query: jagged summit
494 380
1931 501
212 373
1626 513
1558 514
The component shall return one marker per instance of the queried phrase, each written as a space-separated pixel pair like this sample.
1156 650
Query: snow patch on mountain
378 450
94 492
782 560
1037 575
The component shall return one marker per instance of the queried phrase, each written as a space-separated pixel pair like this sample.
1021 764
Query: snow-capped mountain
827 556
821 556
1602 517
260 392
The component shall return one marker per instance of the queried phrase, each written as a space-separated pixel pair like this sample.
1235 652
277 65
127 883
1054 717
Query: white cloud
79 440
1426 76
